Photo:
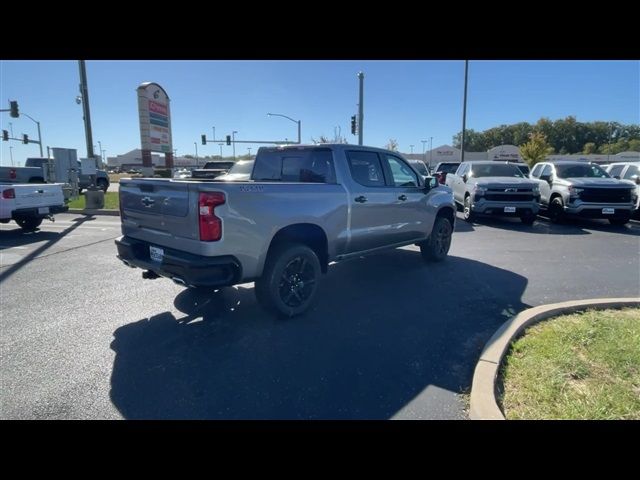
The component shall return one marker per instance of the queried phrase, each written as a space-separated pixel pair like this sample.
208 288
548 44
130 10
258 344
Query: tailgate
38 195
158 205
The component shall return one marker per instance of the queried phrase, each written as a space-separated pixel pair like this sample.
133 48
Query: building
599 158
133 159
447 153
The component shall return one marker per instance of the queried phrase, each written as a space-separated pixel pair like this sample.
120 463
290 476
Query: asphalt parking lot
83 336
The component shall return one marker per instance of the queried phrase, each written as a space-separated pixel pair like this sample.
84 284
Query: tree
392 145
589 148
536 149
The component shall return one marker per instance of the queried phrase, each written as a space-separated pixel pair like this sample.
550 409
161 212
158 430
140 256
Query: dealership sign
505 152
155 118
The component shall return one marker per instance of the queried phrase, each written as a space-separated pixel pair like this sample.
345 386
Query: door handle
402 197
361 199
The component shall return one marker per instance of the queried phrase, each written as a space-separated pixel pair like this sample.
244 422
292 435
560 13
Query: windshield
447 167
499 170
420 167
242 166
580 171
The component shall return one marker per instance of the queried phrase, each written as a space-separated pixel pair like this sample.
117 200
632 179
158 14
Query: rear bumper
33 212
182 267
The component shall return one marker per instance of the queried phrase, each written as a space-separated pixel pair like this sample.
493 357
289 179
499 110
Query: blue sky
406 100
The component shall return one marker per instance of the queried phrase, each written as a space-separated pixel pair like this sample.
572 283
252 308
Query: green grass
111 201
580 366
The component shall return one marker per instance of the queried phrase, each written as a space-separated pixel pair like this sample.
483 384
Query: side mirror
636 179
545 178
430 183
465 178
617 176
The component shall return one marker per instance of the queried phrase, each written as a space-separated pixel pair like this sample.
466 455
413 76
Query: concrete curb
484 405
114 213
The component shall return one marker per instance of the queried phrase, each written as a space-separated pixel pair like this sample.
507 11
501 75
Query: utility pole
84 93
361 108
249 148
233 141
220 145
411 146
196 144
464 107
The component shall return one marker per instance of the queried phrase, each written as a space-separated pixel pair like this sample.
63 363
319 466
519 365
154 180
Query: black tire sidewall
268 288
556 211
428 249
29 224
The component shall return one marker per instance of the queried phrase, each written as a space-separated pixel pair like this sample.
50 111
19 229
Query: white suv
627 171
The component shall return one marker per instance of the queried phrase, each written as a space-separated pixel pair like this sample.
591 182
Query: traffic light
228 139
354 127
5 136
204 139
25 138
13 106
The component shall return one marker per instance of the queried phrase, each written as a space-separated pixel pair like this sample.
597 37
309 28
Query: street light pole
101 157
39 136
361 109
411 148
249 148
299 122
214 134
233 141
220 145
430 150
196 144
11 154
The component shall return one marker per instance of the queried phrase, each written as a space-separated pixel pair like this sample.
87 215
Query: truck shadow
384 330
542 225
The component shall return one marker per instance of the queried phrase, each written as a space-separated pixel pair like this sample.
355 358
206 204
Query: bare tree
392 145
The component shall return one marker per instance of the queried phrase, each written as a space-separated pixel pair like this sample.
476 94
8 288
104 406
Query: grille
509 197
606 195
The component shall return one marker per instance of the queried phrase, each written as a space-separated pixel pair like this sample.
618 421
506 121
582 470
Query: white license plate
156 254
509 209
42 210
608 211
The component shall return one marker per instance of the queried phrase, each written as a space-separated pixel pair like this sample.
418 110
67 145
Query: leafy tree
392 145
536 149
634 145
589 148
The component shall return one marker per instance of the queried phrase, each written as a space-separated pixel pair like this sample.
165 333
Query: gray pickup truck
304 207
494 188
212 169
583 189
33 172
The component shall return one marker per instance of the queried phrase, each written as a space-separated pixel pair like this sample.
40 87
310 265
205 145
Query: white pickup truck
28 204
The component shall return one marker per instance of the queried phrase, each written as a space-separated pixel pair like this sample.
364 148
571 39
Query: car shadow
385 329
16 238
542 225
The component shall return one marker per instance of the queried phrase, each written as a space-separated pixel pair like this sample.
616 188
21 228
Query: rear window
292 165
448 167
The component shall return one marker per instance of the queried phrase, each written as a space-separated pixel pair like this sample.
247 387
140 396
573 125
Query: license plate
156 254
608 211
509 209
43 209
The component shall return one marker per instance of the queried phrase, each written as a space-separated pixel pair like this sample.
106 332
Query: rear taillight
12 174
210 225
9 193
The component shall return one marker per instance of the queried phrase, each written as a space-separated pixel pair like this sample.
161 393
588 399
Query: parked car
583 189
182 173
444 168
212 169
494 188
28 204
627 171
420 166
304 207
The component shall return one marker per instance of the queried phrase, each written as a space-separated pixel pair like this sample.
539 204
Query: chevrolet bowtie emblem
148 201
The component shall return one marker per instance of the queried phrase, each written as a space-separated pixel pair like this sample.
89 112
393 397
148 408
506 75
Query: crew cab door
378 216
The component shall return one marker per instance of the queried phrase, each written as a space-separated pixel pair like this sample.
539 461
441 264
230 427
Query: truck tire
289 281
435 249
556 210
102 184
28 224
467 214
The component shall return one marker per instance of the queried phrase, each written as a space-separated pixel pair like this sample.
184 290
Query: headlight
535 189
479 190
575 192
